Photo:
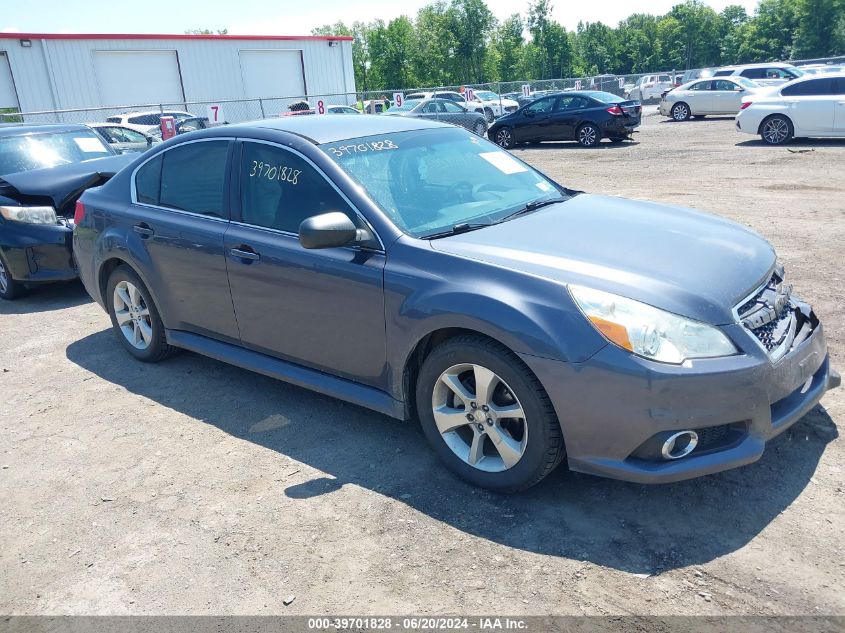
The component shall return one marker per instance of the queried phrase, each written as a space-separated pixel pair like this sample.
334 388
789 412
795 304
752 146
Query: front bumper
664 108
37 253
612 404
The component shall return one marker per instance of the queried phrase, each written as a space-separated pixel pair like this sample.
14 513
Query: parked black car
585 116
43 171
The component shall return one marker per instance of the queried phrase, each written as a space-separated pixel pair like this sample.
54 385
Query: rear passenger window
752 73
813 87
148 182
189 177
279 189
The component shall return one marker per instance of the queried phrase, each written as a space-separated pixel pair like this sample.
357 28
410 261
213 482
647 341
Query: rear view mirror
328 230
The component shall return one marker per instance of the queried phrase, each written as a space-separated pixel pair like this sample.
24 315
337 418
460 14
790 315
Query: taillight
615 110
79 213
744 105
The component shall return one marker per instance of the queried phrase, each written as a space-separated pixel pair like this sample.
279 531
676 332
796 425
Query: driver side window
280 189
541 106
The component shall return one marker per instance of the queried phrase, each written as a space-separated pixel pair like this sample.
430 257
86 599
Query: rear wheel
680 112
504 137
134 316
776 130
588 135
488 114
9 288
487 416
480 128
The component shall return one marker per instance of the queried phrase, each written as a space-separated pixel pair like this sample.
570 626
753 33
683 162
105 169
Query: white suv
450 95
148 122
651 87
770 74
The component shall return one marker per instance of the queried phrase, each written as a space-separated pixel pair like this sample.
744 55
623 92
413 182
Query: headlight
30 215
648 331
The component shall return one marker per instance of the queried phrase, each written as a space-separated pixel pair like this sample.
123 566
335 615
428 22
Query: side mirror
149 141
327 230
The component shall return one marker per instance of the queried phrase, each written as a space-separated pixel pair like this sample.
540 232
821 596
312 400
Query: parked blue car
416 269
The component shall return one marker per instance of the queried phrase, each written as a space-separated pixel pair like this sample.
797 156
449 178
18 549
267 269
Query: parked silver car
124 139
442 110
701 97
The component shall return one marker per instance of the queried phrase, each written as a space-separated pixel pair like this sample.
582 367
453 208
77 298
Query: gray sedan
442 110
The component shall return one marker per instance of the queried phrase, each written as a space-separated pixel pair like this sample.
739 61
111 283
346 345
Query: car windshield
35 151
431 181
606 97
409 104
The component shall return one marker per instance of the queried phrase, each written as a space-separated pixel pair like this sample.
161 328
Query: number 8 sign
321 107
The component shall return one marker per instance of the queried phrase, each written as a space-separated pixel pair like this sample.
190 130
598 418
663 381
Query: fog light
679 445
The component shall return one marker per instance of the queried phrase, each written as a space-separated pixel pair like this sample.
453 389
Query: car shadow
796 144
635 528
46 298
557 145
700 119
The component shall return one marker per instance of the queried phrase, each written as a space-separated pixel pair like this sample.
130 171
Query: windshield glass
409 104
35 151
429 181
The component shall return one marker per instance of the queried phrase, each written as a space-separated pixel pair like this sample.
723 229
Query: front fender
427 291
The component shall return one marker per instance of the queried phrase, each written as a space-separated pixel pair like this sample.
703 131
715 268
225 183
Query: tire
776 130
680 112
139 318
503 453
480 128
588 135
488 114
504 138
9 288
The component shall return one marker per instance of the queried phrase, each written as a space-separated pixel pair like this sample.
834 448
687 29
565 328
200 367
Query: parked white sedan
706 96
812 106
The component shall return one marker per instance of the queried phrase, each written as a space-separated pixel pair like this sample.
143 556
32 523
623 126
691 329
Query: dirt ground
193 487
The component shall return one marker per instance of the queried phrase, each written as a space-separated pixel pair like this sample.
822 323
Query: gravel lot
193 487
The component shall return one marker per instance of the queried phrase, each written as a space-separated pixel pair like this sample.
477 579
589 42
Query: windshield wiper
530 208
457 229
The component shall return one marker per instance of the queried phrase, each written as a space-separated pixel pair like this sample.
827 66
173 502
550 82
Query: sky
285 17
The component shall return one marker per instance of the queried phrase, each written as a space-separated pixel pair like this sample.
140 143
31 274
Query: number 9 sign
321 107
398 99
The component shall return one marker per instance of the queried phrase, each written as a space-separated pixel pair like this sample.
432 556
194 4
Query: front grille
771 316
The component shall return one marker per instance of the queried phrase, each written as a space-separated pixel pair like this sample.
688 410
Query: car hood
63 184
684 261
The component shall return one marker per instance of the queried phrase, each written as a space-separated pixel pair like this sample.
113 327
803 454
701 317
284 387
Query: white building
41 72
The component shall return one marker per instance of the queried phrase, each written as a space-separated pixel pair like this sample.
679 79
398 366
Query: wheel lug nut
473 405
485 408
481 427
470 417
489 421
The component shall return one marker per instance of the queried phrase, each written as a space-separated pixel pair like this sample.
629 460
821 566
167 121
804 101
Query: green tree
508 46
637 44
817 23
436 45
472 24
596 48
392 50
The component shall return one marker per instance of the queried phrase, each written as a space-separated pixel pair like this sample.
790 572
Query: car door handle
143 229
242 254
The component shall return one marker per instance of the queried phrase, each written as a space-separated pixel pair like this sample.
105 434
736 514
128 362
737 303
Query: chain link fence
488 101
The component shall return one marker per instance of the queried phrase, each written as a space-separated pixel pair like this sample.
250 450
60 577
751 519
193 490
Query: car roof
330 129
15 129
759 65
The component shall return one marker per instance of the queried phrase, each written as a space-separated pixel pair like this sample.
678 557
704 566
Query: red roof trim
153 36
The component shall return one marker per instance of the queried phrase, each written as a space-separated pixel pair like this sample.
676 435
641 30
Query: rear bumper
37 253
615 403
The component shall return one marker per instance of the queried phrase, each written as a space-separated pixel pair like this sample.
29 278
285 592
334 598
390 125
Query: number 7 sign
215 114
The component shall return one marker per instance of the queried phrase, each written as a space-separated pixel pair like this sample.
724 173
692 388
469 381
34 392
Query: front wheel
776 130
487 416
488 114
680 112
504 138
480 128
134 316
9 288
588 135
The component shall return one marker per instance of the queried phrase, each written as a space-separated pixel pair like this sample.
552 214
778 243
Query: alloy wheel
680 112
133 315
480 128
479 417
4 277
587 136
775 131
504 138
